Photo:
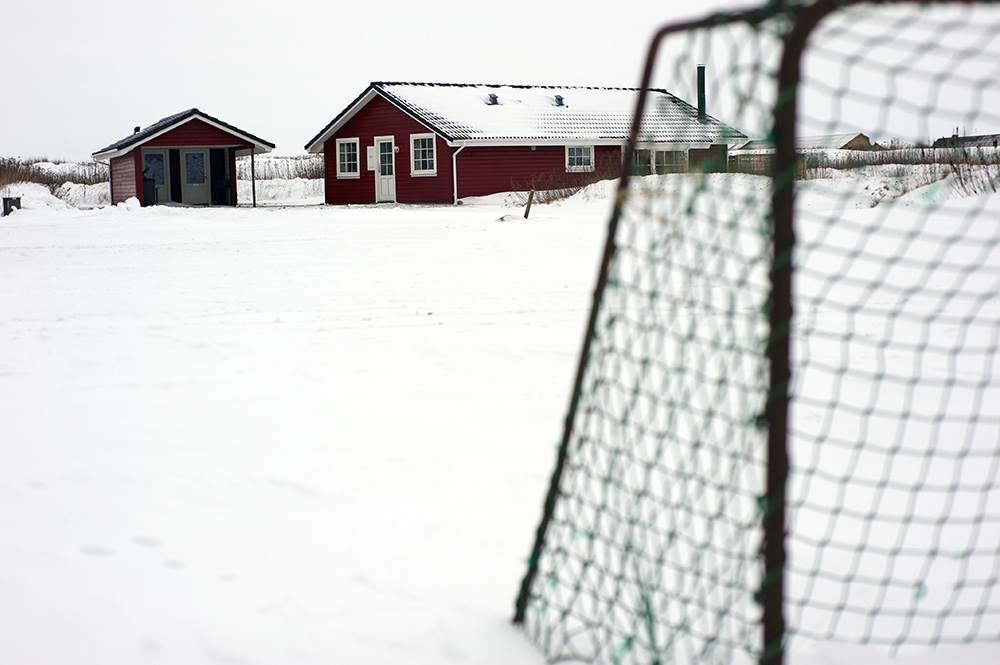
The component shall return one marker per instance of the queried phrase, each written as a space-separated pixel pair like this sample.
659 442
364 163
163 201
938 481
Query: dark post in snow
527 208
253 180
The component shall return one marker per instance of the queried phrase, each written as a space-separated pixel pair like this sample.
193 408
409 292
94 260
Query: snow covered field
304 435
298 434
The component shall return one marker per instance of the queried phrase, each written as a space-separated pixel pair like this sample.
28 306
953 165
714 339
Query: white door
155 167
195 189
385 176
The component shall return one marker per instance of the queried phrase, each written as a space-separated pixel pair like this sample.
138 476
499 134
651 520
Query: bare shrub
975 179
13 170
854 159
308 167
558 185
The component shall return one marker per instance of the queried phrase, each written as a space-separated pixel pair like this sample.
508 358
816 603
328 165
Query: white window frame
349 175
423 172
580 168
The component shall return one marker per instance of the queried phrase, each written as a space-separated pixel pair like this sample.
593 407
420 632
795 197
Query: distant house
956 141
755 156
854 141
437 143
187 158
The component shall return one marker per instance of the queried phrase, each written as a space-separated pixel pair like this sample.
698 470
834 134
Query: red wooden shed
437 143
187 158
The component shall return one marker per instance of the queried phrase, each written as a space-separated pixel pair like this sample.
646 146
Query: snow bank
274 167
34 196
85 196
282 190
296 191
862 187
603 190
868 186
67 195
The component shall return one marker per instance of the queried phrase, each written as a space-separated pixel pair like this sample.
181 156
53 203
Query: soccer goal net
785 426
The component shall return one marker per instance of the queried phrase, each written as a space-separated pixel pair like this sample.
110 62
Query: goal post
785 423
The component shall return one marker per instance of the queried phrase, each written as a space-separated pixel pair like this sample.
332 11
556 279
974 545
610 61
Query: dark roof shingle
165 123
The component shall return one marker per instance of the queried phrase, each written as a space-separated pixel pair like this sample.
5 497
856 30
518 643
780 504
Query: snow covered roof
828 142
170 122
981 141
508 114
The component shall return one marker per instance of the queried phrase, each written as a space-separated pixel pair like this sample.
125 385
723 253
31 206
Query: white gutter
454 173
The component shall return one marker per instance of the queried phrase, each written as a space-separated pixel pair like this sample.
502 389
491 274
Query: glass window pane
153 168
194 168
385 158
580 157
347 159
423 154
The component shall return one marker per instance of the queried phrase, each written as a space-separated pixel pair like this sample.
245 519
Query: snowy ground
299 434
305 435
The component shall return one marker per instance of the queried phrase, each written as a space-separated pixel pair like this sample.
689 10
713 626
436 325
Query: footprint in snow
97 550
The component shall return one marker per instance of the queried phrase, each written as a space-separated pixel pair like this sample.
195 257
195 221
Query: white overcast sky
80 74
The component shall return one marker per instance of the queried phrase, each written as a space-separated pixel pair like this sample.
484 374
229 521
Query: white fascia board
489 143
316 146
259 148
668 146
108 155
111 154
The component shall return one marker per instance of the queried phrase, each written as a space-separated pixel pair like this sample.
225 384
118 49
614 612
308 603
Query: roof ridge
431 84
165 122
468 113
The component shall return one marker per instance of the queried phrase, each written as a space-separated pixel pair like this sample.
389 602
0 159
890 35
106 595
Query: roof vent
136 130
559 100
493 100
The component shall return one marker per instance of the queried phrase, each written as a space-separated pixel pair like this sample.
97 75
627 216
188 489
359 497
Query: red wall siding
123 178
423 189
137 160
489 170
484 171
380 118
347 190
481 170
195 132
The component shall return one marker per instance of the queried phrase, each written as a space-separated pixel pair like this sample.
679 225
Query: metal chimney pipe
702 114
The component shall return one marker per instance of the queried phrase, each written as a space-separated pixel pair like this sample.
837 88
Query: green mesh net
651 546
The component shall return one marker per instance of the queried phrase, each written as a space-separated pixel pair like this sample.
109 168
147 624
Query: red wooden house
436 143
187 158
